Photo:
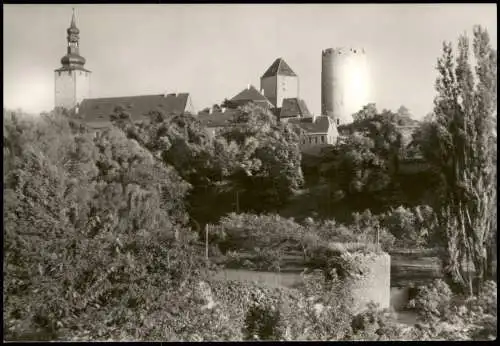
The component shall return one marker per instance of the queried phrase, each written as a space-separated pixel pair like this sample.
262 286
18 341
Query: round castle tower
345 83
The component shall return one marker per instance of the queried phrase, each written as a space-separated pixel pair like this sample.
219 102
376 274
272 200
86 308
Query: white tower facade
345 83
72 80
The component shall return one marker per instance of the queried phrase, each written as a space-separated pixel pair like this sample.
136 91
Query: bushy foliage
366 160
262 322
412 227
264 239
447 316
375 324
253 151
94 235
248 232
433 301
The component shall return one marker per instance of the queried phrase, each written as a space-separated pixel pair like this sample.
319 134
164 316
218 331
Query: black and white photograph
250 172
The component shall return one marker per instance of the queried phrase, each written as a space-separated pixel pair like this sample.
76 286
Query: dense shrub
412 227
262 322
377 324
432 301
363 228
94 235
246 232
444 316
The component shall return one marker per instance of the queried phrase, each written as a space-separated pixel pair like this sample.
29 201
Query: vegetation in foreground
99 244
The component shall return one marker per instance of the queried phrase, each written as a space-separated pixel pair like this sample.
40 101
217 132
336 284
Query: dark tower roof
279 67
73 60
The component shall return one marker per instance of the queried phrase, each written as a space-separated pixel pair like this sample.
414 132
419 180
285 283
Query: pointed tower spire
73 23
73 58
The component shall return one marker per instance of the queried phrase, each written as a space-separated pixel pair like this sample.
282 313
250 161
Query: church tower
72 80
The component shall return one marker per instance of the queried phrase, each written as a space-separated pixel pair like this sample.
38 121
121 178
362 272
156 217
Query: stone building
318 132
72 91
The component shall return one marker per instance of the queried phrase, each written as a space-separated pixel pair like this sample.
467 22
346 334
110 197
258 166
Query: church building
72 91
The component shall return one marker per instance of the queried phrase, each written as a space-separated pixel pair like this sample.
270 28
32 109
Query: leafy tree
413 227
364 166
256 160
460 145
367 112
93 231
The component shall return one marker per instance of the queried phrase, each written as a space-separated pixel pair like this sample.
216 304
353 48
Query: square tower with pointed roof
279 82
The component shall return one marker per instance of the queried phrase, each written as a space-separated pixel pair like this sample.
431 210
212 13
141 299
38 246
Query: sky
214 51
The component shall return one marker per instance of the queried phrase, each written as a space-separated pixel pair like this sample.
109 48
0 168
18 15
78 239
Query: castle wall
345 83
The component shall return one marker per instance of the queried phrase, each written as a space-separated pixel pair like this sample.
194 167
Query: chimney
248 86
262 91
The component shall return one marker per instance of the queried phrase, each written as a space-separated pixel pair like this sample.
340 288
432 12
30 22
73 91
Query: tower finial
73 23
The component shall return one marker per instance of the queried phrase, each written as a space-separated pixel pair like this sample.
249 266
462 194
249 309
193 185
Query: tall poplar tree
461 145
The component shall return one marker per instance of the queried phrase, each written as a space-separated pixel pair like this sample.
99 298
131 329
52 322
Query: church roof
250 94
316 125
279 67
97 111
294 108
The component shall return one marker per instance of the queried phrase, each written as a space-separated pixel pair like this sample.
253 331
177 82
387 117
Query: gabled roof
294 108
250 94
98 110
316 125
279 67
217 119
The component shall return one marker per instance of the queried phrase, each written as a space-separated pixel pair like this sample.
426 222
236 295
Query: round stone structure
345 83
373 284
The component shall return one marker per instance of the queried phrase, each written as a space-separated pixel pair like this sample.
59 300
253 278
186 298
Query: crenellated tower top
343 50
